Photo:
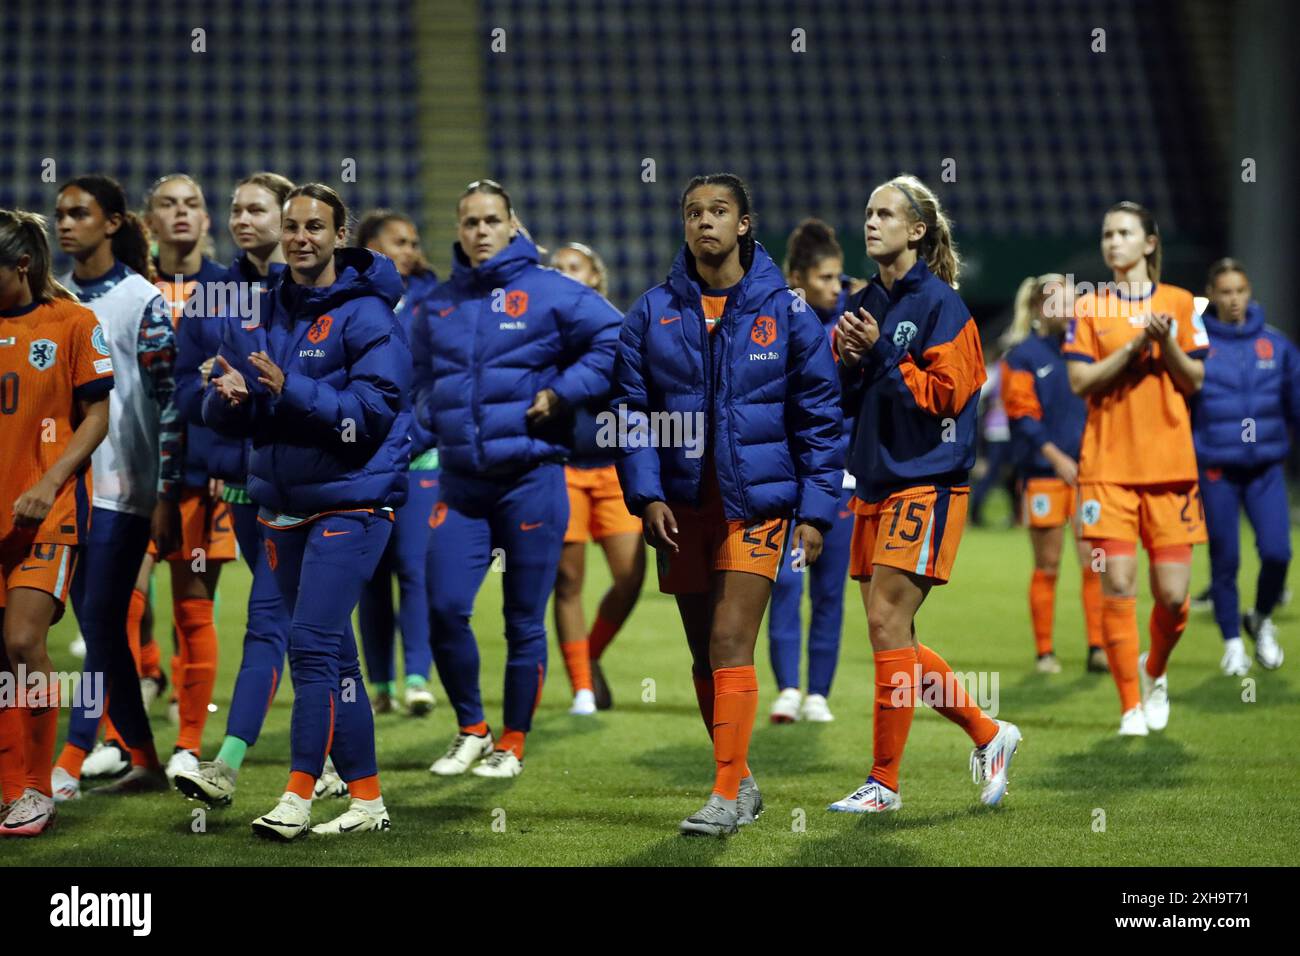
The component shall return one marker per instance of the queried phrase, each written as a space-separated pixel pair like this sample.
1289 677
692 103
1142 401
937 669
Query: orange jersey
51 356
1139 429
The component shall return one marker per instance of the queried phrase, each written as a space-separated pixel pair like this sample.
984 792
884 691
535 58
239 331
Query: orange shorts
708 542
45 567
916 529
1048 502
206 525
1160 516
596 508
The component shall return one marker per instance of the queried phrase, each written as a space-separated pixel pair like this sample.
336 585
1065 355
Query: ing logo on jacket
320 329
764 331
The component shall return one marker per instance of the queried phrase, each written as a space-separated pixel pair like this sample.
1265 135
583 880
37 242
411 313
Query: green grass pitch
1220 787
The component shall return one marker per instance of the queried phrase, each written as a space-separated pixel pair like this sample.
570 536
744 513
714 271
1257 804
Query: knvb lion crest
904 333
320 329
41 354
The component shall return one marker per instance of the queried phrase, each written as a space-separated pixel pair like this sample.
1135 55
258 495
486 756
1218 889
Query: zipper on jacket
708 395
473 386
724 367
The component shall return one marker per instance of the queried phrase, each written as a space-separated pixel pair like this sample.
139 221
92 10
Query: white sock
374 806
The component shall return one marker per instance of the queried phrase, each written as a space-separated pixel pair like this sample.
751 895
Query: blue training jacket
197 340
829 319
338 434
1252 375
763 385
493 336
913 390
1040 404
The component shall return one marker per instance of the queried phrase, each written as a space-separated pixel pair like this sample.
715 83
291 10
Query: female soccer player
745 369
814 263
136 470
1240 424
319 383
255 226
596 513
178 218
55 375
503 347
1047 421
911 364
1135 349
395 236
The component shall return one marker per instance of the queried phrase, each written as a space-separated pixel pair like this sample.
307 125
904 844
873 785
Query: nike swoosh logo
334 534
425 483
443 313
895 547
845 514
1045 371
351 828
30 567
15 826
669 320
525 526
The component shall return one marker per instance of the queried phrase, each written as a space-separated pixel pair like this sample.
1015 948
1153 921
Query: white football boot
1133 723
501 763
1155 697
1267 650
213 782
1235 662
289 819
106 760
31 815
362 816
815 710
64 785
989 764
872 797
181 760
785 709
329 784
419 700
464 752
584 703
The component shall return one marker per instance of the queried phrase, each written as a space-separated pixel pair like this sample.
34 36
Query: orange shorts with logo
1048 502
596 508
916 529
1160 516
45 567
205 524
708 542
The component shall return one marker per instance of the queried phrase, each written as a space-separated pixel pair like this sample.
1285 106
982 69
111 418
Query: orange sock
512 740
70 759
13 755
178 673
735 702
367 788
1042 608
145 756
891 719
602 632
1120 627
42 732
1166 628
1092 611
956 705
301 784
577 663
198 637
478 730
704 697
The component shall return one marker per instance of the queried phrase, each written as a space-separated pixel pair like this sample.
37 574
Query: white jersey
125 465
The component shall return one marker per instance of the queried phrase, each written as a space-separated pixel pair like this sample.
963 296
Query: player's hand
215 487
1158 326
35 503
165 526
271 376
206 368
230 383
659 525
1066 468
545 404
809 539
855 335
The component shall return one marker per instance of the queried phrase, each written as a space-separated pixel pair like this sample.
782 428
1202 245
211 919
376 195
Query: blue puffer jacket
338 434
1040 404
829 319
490 339
763 384
410 310
197 340
1251 374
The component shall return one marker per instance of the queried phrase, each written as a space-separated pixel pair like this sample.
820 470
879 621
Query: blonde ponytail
937 248
23 234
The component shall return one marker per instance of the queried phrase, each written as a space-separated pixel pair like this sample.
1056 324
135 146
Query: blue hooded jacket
763 385
338 434
913 390
197 340
409 311
492 337
1252 375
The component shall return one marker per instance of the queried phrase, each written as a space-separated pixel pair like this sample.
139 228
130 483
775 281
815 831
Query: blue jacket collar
501 269
1251 326
912 280
760 281
360 273
244 269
